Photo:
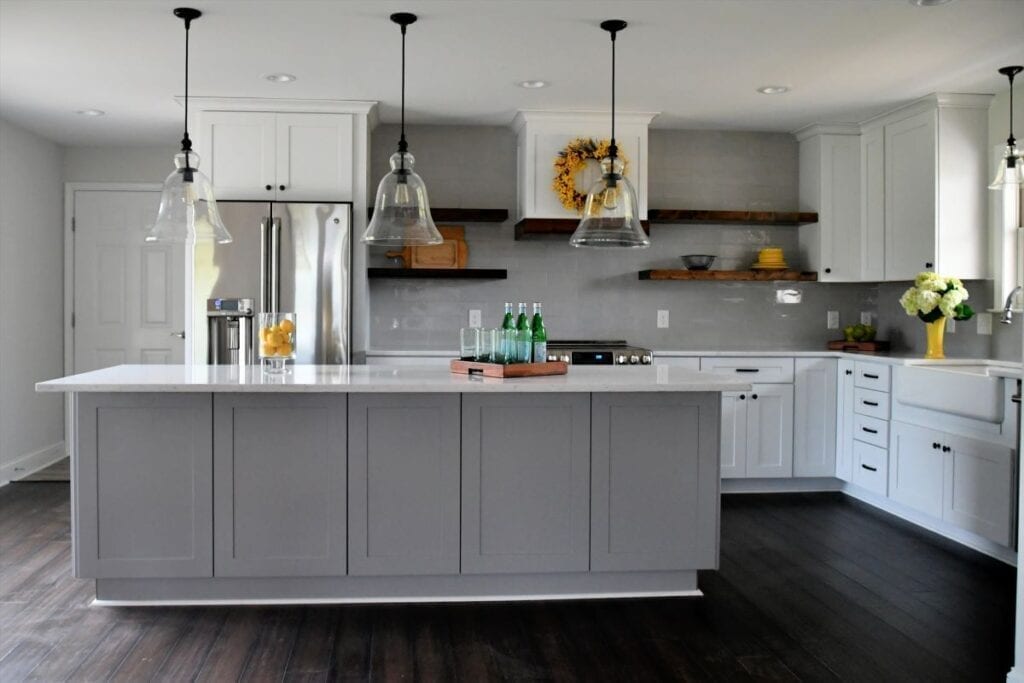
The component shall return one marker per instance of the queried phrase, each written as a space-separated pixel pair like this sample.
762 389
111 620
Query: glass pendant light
187 207
1011 166
611 214
401 212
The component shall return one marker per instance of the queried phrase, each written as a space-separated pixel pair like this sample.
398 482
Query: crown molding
273 104
523 116
813 129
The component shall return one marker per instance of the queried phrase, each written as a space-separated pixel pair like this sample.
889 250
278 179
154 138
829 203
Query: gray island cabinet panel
279 476
525 483
143 486
404 484
654 481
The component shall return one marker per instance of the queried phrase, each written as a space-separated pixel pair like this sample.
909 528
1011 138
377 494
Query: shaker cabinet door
237 152
525 483
980 488
814 419
845 420
314 157
734 434
770 431
403 484
910 185
654 481
916 466
279 473
143 498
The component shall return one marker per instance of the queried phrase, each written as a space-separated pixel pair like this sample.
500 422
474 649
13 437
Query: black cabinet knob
270 187
849 372
946 449
280 187
753 396
935 445
828 270
743 397
928 264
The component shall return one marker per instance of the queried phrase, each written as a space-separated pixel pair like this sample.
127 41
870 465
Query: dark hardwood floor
812 587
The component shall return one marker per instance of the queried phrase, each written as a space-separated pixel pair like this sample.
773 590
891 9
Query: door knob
179 335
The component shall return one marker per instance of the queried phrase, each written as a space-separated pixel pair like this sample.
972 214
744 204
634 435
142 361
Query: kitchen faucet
1008 306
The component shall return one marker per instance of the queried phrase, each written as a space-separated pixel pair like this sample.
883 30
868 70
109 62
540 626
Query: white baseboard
803 485
31 463
954 533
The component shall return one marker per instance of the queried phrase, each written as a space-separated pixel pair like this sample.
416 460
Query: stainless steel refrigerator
293 256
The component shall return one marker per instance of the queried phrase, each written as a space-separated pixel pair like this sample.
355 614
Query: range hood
541 135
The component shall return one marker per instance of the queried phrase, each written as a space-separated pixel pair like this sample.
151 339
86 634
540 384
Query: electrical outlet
865 317
984 323
833 320
662 318
950 326
475 319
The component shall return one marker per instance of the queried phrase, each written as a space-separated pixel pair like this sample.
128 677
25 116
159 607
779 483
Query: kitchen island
196 484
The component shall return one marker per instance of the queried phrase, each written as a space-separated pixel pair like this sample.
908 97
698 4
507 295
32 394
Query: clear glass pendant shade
1008 175
401 212
187 206
610 215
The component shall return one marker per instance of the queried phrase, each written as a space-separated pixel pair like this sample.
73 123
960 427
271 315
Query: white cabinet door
844 421
916 467
734 434
840 226
814 419
314 157
237 151
872 209
910 182
979 487
770 431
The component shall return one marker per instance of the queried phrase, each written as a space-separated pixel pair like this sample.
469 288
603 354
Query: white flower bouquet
934 296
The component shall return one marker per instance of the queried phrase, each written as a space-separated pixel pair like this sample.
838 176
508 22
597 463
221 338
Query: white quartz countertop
383 379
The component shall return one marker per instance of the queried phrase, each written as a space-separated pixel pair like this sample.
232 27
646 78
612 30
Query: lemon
287 326
268 349
284 349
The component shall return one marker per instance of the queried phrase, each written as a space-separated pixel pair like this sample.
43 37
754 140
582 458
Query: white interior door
128 293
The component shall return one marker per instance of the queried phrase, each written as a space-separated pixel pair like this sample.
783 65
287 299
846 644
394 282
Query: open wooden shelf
439 273
463 215
729 275
696 217
554 226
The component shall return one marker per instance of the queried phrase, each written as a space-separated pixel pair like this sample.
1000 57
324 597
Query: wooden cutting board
469 367
452 253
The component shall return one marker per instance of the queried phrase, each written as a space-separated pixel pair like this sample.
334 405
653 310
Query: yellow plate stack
770 258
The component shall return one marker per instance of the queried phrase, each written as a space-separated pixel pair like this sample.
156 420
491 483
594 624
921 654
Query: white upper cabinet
933 185
872 207
830 185
277 156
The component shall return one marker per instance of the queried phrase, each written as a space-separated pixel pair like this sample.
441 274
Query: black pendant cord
1011 141
613 149
403 146
186 142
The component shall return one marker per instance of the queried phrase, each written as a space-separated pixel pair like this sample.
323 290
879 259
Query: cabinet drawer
871 430
870 467
871 375
871 403
760 370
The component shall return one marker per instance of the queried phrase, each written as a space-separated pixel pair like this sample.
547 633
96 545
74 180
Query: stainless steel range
598 352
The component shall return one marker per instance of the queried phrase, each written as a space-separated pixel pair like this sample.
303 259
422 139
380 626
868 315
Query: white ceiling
696 61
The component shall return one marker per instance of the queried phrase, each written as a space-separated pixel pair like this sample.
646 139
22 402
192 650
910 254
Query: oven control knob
646 359
565 358
552 357
634 359
621 359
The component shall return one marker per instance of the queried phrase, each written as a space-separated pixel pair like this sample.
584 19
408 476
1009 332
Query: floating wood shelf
729 275
554 226
694 217
439 273
463 215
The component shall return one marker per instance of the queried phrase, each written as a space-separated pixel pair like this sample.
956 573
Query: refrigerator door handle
264 264
275 265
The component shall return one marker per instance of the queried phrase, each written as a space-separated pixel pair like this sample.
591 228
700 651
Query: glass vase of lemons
276 340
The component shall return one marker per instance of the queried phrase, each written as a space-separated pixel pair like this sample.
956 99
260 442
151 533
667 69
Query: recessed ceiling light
90 112
773 89
929 3
280 77
532 85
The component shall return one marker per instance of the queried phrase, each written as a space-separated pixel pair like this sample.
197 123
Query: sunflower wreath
571 161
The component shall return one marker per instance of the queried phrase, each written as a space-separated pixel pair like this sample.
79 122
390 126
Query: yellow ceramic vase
935 330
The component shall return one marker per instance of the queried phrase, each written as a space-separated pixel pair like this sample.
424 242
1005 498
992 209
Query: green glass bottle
508 329
540 335
524 338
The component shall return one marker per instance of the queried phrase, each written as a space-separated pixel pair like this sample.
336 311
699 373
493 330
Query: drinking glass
498 346
487 345
469 343
277 340
507 344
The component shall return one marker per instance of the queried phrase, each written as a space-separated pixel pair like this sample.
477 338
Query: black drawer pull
873 404
869 430
870 376
869 468
748 370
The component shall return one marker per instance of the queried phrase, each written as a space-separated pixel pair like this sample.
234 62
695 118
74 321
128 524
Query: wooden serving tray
862 347
469 367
